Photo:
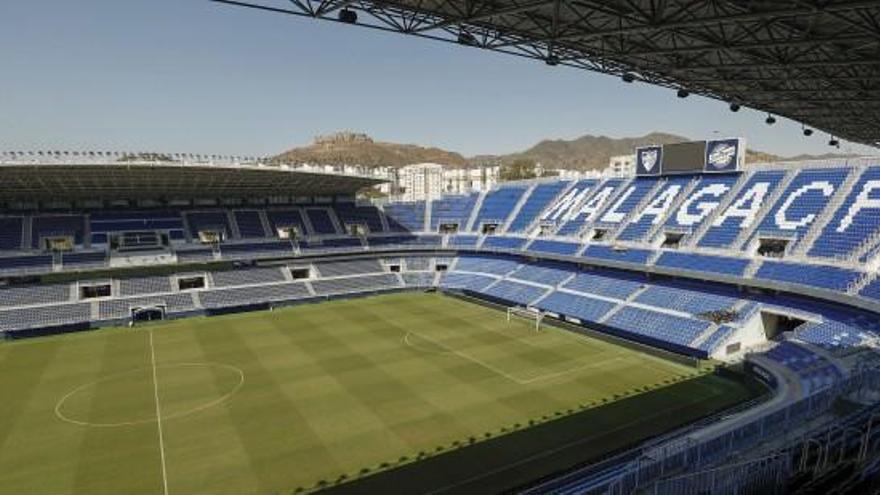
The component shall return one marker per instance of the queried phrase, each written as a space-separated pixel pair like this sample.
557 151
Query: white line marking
59 407
158 414
469 358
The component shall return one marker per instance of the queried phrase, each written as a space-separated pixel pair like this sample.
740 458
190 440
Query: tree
519 169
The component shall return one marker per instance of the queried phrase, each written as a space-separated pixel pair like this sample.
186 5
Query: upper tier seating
703 200
802 202
10 233
740 213
103 223
247 277
565 211
854 221
253 249
498 204
540 197
347 268
207 221
632 194
406 217
349 213
250 225
872 290
286 218
452 210
57 225
654 213
321 221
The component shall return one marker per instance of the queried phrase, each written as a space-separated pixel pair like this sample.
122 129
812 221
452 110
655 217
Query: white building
423 181
621 166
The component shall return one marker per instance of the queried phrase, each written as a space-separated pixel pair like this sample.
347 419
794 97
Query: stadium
685 330
182 323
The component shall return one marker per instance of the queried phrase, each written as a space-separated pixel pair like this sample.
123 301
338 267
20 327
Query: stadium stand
539 198
406 217
452 210
586 309
498 242
33 295
57 225
250 225
656 326
703 262
144 285
242 296
252 276
743 209
346 268
10 233
466 281
498 204
554 247
514 292
321 221
825 277
854 220
364 283
199 221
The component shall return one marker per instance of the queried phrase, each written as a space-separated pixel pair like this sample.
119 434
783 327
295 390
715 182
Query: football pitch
290 400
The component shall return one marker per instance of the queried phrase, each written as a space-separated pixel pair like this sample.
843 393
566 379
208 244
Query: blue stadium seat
540 197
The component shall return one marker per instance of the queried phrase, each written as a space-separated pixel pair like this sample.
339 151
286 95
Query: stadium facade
775 266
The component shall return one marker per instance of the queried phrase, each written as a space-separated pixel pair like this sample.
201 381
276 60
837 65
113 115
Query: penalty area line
158 414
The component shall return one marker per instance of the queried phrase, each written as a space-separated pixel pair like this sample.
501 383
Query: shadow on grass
519 456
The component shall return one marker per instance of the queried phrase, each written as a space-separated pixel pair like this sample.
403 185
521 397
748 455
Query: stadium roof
816 62
154 180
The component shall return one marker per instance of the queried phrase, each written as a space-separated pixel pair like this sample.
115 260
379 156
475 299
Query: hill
584 153
348 148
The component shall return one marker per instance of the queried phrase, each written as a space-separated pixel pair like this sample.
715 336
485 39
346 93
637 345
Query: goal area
527 314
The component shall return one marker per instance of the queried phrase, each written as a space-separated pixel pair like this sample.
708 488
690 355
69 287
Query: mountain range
584 153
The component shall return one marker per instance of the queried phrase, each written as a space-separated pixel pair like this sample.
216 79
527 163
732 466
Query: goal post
526 313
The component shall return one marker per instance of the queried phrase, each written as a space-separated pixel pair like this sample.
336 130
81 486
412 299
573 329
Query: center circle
128 398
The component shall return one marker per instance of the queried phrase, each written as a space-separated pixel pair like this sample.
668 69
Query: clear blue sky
195 76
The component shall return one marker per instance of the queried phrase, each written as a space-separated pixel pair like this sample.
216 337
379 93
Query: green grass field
268 402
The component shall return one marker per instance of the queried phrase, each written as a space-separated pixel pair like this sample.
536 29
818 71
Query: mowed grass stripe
123 459
389 399
205 450
274 432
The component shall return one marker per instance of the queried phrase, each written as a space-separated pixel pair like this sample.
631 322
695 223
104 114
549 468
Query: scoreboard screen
684 158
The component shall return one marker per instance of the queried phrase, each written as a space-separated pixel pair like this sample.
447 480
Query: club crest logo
722 155
649 159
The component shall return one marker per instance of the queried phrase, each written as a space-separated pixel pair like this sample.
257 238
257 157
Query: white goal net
526 313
